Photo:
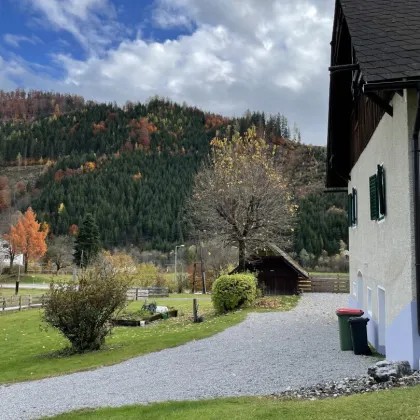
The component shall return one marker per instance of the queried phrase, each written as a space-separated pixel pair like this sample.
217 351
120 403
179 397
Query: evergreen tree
86 247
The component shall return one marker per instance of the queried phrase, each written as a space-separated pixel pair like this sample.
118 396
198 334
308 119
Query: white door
381 316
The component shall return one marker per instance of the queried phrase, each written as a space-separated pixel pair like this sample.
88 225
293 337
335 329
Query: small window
352 208
377 194
369 301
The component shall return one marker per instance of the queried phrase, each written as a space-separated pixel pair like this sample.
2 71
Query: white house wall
382 253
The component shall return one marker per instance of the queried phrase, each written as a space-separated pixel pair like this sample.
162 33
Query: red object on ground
349 311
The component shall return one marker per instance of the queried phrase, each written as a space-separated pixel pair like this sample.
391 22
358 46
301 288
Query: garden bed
135 319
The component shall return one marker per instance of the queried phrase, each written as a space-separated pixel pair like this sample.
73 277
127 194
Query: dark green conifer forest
132 168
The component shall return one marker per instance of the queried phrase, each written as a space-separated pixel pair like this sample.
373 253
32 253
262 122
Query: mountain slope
133 168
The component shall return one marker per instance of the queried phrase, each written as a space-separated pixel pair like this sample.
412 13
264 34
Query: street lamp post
176 248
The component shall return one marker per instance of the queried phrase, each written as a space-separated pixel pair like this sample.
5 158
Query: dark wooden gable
383 38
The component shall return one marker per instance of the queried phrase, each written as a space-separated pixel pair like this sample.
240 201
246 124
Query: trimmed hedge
233 292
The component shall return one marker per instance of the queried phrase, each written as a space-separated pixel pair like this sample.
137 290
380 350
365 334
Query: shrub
171 284
234 291
82 310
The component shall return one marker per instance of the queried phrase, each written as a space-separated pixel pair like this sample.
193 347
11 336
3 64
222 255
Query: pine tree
86 247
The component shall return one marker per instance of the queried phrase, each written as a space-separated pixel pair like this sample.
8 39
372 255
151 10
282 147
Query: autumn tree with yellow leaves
28 238
240 197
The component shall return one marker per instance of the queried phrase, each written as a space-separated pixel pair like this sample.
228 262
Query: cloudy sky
224 56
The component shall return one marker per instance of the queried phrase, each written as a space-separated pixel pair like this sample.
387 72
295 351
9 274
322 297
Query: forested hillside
133 167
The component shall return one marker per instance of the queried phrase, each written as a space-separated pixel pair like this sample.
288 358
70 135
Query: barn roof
277 252
289 260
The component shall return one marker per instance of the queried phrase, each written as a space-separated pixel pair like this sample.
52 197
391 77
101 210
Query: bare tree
239 196
60 251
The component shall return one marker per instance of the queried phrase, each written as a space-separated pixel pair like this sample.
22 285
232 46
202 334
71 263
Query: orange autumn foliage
28 237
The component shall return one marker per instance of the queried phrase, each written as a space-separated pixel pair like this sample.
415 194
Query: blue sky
224 56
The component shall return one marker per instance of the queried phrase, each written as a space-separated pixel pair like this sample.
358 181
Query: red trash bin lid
349 311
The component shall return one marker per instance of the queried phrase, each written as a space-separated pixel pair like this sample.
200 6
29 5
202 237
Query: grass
327 274
188 295
36 278
29 351
399 404
22 292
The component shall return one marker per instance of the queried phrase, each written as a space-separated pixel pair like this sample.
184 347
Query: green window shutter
381 190
374 202
350 210
354 208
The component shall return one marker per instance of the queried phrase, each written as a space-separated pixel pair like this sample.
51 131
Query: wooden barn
278 273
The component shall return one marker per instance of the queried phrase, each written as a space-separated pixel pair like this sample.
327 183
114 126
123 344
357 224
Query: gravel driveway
265 354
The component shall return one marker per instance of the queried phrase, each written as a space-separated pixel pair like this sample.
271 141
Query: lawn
400 404
22 292
36 278
327 274
188 295
31 352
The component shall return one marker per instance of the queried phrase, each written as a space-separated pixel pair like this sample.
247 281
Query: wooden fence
325 284
17 303
139 293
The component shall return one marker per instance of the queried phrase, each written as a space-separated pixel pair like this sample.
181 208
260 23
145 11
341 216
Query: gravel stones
266 354
399 375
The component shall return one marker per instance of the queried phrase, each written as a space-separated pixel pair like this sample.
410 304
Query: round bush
234 291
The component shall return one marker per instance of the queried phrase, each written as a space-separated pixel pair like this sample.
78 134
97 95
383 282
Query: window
369 301
377 194
352 208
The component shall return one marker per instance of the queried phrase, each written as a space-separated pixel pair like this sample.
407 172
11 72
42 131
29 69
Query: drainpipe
416 188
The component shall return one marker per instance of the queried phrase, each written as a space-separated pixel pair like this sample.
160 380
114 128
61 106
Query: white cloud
268 55
15 40
93 23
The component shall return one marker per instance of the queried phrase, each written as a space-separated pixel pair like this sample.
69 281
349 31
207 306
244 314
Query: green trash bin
344 314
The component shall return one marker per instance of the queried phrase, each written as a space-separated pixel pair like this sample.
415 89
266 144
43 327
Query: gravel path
265 354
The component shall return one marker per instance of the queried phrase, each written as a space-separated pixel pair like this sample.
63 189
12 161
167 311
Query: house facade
5 257
375 71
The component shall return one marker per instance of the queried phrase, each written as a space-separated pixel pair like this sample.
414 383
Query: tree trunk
25 257
242 260
12 258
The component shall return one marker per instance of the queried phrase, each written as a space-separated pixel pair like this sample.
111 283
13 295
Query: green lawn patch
22 292
399 404
327 274
188 295
29 351
36 278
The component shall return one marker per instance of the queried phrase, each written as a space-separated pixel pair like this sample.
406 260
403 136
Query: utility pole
176 249
203 271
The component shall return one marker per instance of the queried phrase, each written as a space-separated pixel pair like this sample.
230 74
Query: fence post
137 293
30 301
20 302
4 304
195 312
